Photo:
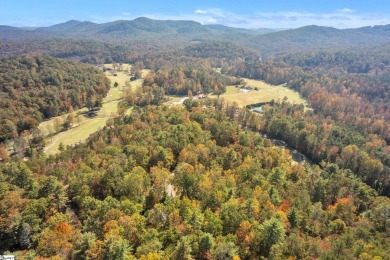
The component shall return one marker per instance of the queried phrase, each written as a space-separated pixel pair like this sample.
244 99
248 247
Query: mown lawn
265 93
85 126
74 135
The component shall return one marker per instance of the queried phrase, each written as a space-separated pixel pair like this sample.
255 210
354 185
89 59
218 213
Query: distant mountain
62 26
6 28
7 32
378 29
268 41
126 29
319 37
144 25
218 28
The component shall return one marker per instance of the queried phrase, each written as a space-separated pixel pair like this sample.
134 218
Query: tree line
348 92
35 88
233 195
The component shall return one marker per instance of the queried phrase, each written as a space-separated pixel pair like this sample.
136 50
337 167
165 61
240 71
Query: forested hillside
34 88
313 38
198 180
165 182
88 51
349 94
180 75
162 33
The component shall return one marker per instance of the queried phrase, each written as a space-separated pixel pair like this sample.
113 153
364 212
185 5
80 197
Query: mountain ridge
187 31
145 24
144 20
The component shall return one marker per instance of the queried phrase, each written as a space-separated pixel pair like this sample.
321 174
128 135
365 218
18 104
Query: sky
236 13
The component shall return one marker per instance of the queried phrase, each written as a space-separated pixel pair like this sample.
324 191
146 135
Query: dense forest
233 195
34 88
349 94
178 33
199 180
186 74
88 51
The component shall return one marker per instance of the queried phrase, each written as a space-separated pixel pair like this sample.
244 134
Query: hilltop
267 41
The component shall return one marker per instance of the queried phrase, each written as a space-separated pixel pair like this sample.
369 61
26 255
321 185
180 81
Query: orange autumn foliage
285 206
339 202
57 241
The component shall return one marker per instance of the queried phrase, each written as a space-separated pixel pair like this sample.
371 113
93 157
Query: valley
86 125
176 139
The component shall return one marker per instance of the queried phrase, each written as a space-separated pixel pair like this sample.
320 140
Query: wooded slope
34 88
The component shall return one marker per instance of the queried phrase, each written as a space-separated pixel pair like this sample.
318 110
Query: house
258 110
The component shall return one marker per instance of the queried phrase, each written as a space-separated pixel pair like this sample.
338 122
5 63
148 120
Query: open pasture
265 93
84 126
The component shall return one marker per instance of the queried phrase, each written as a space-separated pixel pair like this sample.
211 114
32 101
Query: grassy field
81 131
85 126
74 135
265 93
123 77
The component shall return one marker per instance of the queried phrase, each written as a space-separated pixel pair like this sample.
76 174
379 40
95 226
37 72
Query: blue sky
236 13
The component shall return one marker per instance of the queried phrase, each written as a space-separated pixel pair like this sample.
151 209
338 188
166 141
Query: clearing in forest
264 93
84 126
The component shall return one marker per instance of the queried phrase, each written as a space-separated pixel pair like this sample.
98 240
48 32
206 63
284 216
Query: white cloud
346 10
199 11
211 21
